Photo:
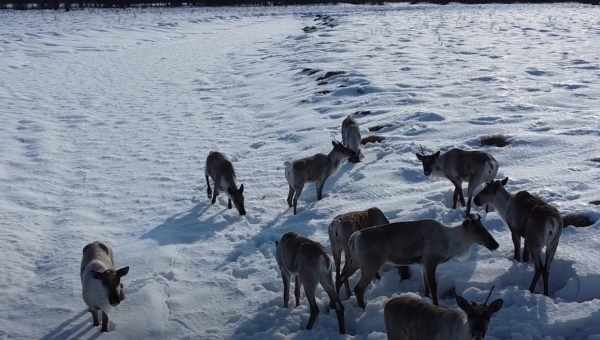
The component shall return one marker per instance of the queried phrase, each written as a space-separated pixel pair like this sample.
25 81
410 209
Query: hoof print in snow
372 139
596 202
309 29
309 71
330 74
379 127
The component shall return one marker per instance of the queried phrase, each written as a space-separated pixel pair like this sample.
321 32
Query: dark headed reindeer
307 261
101 282
343 226
221 171
316 169
410 318
351 137
474 167
528 217
427 242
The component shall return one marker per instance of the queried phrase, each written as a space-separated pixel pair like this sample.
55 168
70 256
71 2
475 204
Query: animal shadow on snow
75 327
198 223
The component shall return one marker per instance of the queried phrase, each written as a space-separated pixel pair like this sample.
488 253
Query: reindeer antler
421 149
490 294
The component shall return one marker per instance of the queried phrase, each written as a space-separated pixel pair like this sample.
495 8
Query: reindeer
528 217
351 138
457 165
343 226
221 171
307 261
410 318
427 242
316 169
100 281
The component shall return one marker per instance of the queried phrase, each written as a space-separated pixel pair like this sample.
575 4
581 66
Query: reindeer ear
504 181
123 271
333 143
495 306
419 156
437 154
96 275
463 303
241 190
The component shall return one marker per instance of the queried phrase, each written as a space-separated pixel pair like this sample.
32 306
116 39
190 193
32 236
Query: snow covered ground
107 117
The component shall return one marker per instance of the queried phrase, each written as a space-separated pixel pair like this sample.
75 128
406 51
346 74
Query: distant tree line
70 4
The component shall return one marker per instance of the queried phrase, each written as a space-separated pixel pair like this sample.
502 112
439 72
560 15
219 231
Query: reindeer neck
459 241
501 202
335 159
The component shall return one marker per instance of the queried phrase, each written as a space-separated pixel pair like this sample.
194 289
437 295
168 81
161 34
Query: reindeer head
477 231
237 196
488 193
479 316
341 149
429 161
111 281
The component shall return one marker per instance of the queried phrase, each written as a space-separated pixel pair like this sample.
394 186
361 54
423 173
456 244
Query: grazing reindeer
316 169
410 318
343 226
307 261
529 217
457 165
427 242
221 171
101 283
351 138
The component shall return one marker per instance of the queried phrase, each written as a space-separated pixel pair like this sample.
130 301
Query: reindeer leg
297 291
526 253
309 290
517 244
297 193
229 203
366 276
426 289
545 274
208 189
95 321
215 191
290 196
334 301
538 270
320 186
461 195
430 274
286 288
455 197
105 322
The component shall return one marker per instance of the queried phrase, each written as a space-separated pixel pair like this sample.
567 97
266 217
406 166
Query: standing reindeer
351 138
529 217
221 171
343 226
306 260
410 318
474 167
100 281
316 169
427 242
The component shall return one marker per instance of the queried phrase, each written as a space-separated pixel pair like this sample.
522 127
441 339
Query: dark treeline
70 4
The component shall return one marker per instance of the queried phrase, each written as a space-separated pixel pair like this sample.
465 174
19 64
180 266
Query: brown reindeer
427 242
221 171
315 169
475 167
527 217
307 261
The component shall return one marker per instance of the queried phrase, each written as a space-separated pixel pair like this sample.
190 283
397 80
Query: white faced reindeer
529 217
306 260
221 171
343 226
410 318
351 137
316 169
474 167
427 242
100 281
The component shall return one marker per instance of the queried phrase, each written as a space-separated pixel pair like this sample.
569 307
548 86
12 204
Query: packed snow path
107 117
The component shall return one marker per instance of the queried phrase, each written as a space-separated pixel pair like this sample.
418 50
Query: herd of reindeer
368 241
